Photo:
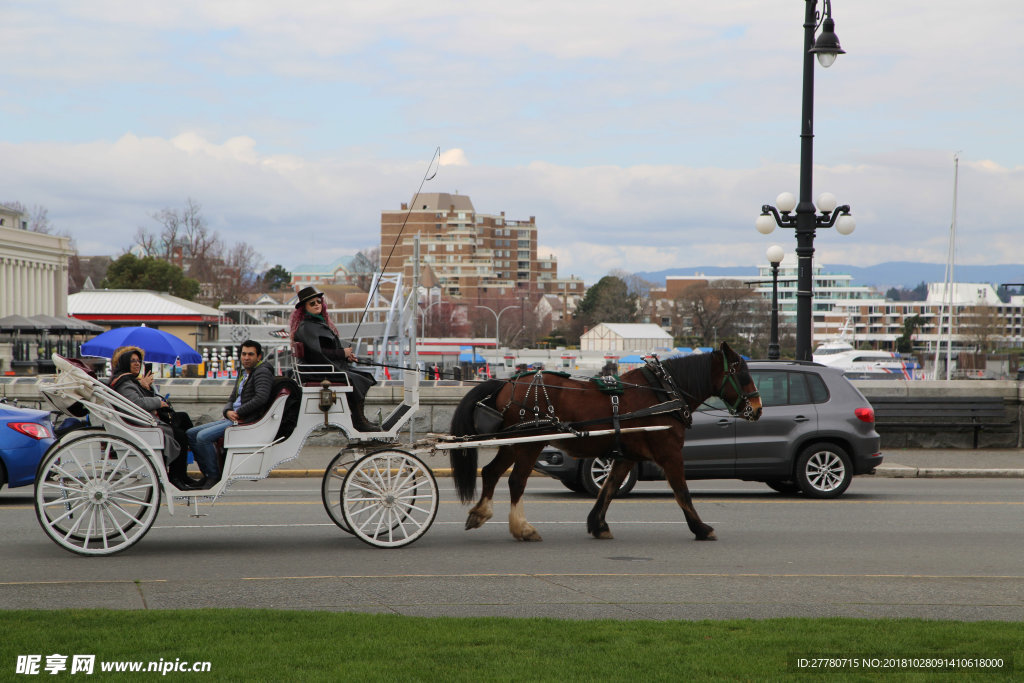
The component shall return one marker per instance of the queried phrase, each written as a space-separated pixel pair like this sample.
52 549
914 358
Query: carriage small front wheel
389 498
97 494
330 487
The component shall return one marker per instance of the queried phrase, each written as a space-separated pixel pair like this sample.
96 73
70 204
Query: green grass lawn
267 645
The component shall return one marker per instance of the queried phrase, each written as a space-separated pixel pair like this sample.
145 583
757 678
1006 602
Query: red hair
300 313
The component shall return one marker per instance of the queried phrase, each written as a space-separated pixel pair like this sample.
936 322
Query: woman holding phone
136 385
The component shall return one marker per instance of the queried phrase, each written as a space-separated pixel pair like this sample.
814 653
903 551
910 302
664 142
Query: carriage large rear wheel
389 498
96 495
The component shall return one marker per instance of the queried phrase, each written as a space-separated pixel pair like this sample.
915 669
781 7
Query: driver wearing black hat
311 326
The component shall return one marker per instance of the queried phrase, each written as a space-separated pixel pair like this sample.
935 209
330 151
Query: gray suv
816 432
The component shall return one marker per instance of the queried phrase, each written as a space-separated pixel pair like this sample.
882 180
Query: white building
33 269
979 318
832 291
625 337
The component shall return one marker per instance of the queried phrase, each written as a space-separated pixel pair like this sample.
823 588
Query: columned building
33 269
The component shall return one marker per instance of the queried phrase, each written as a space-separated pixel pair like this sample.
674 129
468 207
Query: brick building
476 258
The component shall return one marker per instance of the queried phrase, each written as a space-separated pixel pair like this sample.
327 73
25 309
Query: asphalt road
929 548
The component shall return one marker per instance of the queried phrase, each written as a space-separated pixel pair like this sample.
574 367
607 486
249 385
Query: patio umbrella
19 323
160 346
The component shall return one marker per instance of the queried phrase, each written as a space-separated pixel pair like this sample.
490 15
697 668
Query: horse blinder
729 378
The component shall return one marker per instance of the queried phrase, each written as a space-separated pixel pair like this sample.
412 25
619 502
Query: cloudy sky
641 135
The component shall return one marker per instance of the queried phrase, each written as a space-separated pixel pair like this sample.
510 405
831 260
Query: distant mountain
906 274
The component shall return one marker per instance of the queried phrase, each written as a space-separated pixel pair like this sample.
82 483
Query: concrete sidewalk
903 462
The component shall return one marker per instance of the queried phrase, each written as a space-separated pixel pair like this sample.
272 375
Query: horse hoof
710 536
529 534
604 534
475 521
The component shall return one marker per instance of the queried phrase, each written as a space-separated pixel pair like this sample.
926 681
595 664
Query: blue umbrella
466 355
160 347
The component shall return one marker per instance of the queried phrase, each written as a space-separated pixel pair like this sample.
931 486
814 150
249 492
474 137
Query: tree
722 309
364 265
905 342
37 217
185 240
608 301
132 272
982 325
276 279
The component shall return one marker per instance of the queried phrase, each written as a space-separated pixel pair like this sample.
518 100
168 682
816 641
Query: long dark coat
322 347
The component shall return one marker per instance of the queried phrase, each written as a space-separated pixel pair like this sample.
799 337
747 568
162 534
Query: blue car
25 435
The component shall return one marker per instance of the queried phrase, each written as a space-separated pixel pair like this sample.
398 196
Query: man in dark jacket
249 400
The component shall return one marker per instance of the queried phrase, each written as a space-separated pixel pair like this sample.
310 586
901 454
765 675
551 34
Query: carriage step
396 416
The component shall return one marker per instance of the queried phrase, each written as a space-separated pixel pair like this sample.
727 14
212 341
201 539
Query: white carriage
98 490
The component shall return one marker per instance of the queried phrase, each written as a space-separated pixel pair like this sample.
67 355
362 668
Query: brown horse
661 394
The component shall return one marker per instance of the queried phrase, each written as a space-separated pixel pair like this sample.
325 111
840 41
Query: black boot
177 473
359 421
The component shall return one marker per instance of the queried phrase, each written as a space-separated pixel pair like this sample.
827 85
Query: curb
900 471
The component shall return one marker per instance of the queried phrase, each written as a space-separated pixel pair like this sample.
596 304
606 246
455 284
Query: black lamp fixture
806 219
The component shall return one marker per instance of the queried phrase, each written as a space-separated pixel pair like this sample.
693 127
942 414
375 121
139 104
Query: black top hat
305 294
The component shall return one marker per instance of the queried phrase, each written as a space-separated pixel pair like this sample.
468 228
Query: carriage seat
311 375
277 423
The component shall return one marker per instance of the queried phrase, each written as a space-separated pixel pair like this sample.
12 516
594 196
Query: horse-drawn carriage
98 490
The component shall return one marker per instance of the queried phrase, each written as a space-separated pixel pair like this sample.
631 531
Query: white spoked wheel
389 498
96 495
330 488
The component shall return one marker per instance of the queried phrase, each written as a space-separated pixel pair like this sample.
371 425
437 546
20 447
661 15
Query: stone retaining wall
204 398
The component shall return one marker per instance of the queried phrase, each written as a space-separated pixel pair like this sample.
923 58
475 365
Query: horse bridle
730 370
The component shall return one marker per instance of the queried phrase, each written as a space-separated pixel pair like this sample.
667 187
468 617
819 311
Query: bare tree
364 265
982 326
718 310
38 217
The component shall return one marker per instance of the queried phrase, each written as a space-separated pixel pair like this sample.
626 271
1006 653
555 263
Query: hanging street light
806 219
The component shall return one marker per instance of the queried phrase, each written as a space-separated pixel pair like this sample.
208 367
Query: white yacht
865 363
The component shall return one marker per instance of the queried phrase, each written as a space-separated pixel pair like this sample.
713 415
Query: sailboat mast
946 312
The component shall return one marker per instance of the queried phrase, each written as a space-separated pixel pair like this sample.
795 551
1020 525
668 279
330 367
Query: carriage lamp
327 398
806 219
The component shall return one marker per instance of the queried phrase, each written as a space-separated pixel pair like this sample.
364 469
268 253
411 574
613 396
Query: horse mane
692 374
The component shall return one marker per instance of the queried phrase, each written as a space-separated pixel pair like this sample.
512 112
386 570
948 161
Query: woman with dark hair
311 326
129 381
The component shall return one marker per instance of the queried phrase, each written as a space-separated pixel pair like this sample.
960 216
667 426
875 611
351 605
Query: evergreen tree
131 272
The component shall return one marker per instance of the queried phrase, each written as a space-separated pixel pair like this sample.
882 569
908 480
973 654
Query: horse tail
463 460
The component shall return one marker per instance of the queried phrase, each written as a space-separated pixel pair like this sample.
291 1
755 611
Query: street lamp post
775 254
497 323
806 219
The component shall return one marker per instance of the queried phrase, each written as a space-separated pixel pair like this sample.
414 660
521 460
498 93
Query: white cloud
453 157
641 137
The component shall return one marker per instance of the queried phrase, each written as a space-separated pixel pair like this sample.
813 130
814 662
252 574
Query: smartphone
149 369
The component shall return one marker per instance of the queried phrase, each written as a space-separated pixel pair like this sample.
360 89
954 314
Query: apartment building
973 311
476 258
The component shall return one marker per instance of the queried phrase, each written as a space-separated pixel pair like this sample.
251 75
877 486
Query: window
789 388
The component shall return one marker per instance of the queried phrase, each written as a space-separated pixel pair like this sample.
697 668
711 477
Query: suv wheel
593 472
784 485
823 471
